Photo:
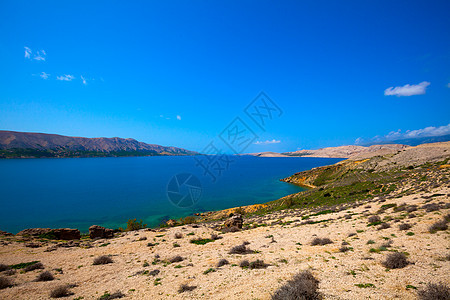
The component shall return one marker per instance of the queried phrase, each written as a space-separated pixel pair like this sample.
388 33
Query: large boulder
96 231
67 234
234 221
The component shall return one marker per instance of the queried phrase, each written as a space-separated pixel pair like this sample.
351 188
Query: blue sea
80 192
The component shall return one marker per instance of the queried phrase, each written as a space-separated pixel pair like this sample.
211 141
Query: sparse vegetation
35 266
186 288
108 296
321 241
222 262
439 225
384 226
200 241
396 260
240 249
45 276
404 226
133 224
434 291
60 291
103 260
176 258
5 282
302 286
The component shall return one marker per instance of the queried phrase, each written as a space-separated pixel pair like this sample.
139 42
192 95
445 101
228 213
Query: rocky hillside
25 144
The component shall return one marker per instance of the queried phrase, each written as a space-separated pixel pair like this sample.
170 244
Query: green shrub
133 224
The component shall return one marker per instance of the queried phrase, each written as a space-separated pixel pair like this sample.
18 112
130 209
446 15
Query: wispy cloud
407 89
178 117
408 134
274 141
40 55
65 77
448 85
44 75
27 52
83 80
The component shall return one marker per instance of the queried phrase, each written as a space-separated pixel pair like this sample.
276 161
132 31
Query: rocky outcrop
96 231
234 221
67 234
57 234
171 223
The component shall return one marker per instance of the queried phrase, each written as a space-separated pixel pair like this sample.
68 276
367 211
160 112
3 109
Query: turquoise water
80 192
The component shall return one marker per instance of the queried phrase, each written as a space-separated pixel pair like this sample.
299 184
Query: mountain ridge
28 144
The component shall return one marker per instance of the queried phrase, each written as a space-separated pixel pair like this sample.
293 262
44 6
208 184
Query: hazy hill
25 144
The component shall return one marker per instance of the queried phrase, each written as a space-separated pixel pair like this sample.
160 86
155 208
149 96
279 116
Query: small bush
178 235
175 259
384 226
351 234
374 219
186 288
209 271
9 272
318 241
240 249
411 208
215 237
302 286
344 249
395 260
33 267
222 262
60 291
434 292
154 272
5 282
431 207
440 225
200 241
4 267
45 276
133 224
404 226
103 260
258 264
108 296
244 264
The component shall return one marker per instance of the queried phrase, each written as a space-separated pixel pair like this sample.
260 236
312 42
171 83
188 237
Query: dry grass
303 286
395 260
103 260
434 291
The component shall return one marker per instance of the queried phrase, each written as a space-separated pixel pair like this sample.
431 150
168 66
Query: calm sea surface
80 192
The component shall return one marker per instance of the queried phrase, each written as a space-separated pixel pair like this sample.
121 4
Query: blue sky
178 72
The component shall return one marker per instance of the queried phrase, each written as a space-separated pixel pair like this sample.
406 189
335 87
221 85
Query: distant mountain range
30 145
415 141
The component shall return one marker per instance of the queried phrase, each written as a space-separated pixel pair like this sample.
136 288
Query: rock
34 231
96 231
4 233
234 221
171 223
67 234
33 245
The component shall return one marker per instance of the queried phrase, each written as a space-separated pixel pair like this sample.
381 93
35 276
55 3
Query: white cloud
65 77
83 80
44 75
40 55
408 134
274 141
407 89
27 52
448 85
178 117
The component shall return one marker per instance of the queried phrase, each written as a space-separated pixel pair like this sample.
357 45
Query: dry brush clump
108 296
103 260
321 241
404 226
186 288
4 267
374 219
36 266
222 262
176 258
60 291
45 276
240 249
434 291
384 226
396 260
302 286
439 225
5 282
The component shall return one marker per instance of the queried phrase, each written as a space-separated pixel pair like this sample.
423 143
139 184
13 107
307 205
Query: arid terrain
371 227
